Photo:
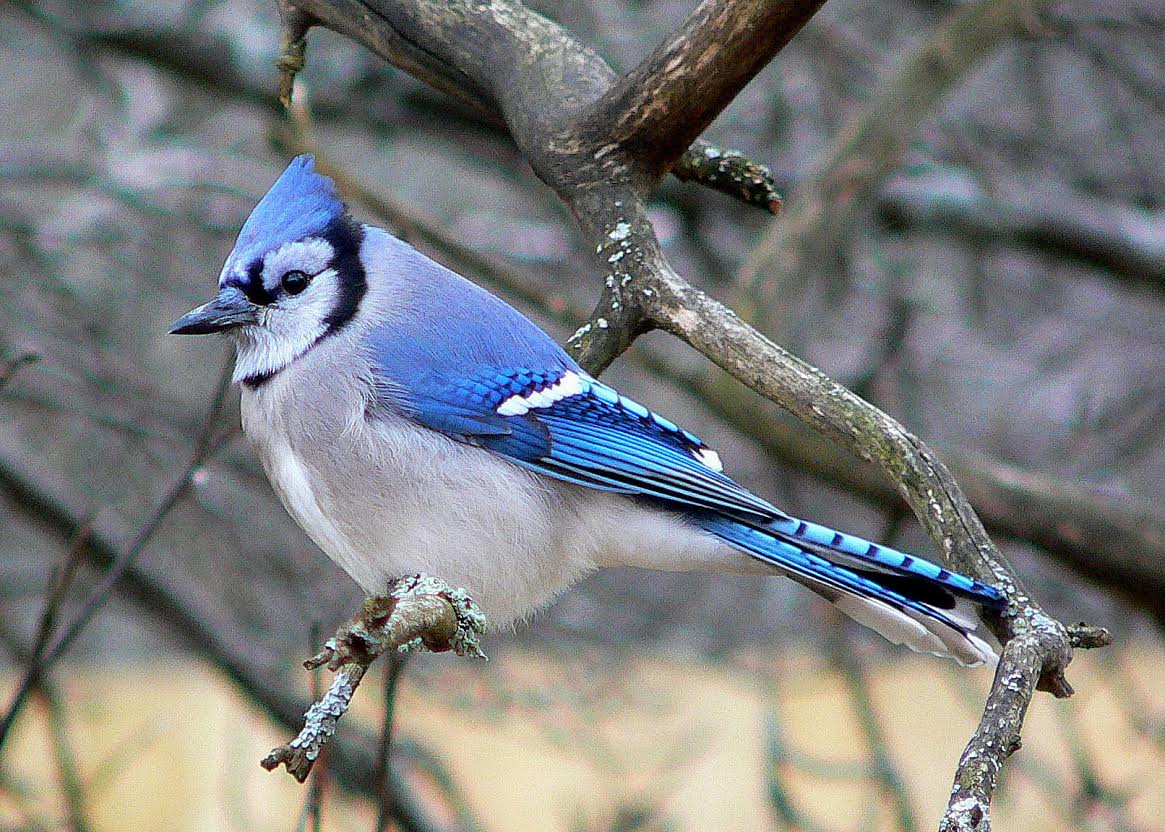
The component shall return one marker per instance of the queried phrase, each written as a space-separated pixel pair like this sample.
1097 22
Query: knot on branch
731 173
1088 637
293 29
419 611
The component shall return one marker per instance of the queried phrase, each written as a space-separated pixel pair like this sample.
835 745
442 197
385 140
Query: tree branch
54 642
658 109
1126 242
546 86
515 67
418 610
866 151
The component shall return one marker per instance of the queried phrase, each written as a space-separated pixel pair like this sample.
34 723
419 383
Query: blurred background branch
995 288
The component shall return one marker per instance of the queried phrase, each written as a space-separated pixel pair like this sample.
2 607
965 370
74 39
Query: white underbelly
293 485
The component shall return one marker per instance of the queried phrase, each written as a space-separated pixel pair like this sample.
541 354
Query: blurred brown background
1002 295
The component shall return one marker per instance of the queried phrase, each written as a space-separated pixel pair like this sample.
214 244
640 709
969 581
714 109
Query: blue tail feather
803 561
863 555
908 600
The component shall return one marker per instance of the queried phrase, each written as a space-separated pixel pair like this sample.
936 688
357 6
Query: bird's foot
414 599
419 611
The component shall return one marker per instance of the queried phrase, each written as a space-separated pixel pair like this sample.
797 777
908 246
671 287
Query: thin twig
47 693
205 446
11 367
392 676
844 656
779 797
71 786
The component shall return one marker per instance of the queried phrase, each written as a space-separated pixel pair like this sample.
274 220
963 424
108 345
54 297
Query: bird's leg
389 622
418 611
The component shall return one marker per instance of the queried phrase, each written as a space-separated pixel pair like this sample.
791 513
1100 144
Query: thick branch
658 109
516 67
923 481
1127 242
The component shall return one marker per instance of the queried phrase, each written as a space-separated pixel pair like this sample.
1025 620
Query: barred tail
908 600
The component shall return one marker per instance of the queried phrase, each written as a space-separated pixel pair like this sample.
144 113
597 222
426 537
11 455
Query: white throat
261 352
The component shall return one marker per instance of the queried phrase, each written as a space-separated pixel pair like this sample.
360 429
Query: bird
410 421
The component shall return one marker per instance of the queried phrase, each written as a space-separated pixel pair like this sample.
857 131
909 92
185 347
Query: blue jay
410 421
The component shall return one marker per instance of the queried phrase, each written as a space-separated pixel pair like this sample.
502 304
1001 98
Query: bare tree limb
867 150
545 85
658 109
1127 243
47 652
512 67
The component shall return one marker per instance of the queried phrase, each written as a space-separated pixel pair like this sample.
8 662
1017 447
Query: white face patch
310 256
569 385
287 329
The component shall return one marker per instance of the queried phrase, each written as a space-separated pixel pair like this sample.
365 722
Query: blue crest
301 203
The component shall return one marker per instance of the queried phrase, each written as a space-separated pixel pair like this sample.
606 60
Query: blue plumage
301 203
454 366
447 358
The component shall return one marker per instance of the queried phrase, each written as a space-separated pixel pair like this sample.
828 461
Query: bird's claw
465 640
362 639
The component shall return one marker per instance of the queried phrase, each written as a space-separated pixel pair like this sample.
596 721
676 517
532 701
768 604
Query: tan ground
551 742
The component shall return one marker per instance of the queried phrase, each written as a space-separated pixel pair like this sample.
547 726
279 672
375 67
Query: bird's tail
907 599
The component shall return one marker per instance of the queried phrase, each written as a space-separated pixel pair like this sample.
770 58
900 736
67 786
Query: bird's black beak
230 309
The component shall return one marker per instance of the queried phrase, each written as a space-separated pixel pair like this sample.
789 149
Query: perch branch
418 610
545 85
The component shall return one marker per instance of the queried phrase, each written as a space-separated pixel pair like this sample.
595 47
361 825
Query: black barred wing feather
567 425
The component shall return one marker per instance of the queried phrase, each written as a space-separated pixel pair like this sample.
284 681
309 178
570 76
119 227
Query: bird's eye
295 282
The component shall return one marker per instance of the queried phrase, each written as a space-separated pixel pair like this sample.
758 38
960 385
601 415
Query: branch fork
419 611
602 142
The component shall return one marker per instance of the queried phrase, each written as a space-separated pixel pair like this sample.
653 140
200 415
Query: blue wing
565 424
462 362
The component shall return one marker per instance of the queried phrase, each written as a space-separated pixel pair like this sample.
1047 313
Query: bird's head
294 276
